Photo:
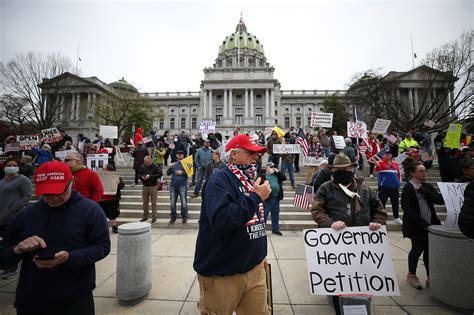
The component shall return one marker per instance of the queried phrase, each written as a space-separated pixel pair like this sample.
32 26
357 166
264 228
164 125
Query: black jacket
413 224
323 176
466 217
154 171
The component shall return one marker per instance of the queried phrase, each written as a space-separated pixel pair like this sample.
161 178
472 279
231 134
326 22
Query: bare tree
20 83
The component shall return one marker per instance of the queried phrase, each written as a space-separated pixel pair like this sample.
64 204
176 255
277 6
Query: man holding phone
59 239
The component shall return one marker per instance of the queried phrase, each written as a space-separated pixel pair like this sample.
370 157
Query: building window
309 121
194 123
183 123
172 122
287 122
161 124
219 98
298 122
258 110
276 113
218 120
259 119
219 110
259 96
238 97
239 119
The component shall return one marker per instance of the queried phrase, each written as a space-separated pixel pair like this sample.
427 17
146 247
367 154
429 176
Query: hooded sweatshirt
78 227
138 136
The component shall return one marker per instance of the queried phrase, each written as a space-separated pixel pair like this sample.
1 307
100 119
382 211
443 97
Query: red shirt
88 184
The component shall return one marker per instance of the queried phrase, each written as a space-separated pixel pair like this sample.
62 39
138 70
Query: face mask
11 170
271 171
343 177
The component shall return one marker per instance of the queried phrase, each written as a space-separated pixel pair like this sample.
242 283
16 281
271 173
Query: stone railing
313 92
171 94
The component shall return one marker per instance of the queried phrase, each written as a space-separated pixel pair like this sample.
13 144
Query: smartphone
262 178
44 257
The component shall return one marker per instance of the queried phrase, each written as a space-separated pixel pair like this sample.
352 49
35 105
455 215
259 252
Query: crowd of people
240 187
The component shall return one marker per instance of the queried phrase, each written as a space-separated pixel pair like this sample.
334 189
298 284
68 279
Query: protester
374 148
111 203
26 166
149 174
178 185
394 144
166 141
203 158
231 219
15 193
324 174
466 217
272 204
292 140
70 228
159 156
86 181
332 143
138 155
417 202
138 137
62 142
287 164
346 201
315 150
215 165
111 151
349 150
80 142
407 143
274 158
43 154
388 182
178 146
324 140
438 142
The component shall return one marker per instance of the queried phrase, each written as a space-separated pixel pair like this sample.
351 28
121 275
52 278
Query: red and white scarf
247 181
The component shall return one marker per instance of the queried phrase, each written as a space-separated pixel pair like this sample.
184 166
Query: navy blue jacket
78 227
177 180
227 244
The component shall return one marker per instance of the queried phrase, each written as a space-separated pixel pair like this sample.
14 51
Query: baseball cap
180 152
244 141
52 178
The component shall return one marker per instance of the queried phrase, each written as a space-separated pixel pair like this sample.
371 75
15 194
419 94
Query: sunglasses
68 160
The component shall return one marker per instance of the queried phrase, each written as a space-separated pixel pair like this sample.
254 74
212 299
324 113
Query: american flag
424 155
303 196
12 147
358 117
301 140
378 156
362 149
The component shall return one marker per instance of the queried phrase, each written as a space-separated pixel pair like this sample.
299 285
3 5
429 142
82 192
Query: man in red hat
59 238
232 242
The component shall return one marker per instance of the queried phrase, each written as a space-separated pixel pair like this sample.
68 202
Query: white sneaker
133 185
371 176
398 221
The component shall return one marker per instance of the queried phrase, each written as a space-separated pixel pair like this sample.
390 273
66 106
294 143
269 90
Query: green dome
123 85
241 39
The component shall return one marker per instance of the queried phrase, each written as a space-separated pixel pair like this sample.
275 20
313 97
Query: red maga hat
52 178
244 141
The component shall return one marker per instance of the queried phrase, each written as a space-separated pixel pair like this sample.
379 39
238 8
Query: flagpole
412 53
77 57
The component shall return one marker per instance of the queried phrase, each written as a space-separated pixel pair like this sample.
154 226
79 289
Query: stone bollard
133 262
451 267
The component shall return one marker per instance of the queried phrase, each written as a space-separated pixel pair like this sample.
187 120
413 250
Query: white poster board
453 195
110 181
356 129
311 161
27 141
353 260
207 126
429 123
51 135
339 142
381 125
63 154
96 162
147 139
110 132
321 119
286 148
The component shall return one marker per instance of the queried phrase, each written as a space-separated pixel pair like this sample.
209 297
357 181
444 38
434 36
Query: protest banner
321 119
25 142
96 162
399 160
110 181
429 123
207 126
356 129
453 136
311 161
110 132
62 154
381 125
391 138
50 135
339 142
147 139
453 195
286 148
353 260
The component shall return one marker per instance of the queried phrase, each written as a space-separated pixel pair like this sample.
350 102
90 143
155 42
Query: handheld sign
356 129
26 142
453 136
353 260
51 135
311 161
96 162
110 132
381 126
110 181
321 119
339 142
63 154
286 148
453 195
207 127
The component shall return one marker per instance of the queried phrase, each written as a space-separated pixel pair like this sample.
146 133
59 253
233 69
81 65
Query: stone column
61 108
225 105
303 122
209 109
246 108
204 107
416 104
94 103
133 282
267 107
72 114
272 103
78 107
252 110
189 118
410 101
230 112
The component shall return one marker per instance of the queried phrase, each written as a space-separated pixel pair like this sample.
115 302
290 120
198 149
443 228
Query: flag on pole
424 155
303 196
188 165
301 140
12 147
358 117
378 156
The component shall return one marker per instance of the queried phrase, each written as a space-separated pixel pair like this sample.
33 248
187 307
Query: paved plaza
175 289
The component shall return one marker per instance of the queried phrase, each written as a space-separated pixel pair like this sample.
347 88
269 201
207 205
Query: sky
161 46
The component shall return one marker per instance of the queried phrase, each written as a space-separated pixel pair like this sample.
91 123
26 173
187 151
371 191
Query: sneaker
185 220
398 221
194 195
115 229
153 220
293 185
191 185
413 281
172 221
7 274
143 219
277 233
134 184
371 176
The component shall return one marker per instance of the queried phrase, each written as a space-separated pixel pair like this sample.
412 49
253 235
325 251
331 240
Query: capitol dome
123 86
241 39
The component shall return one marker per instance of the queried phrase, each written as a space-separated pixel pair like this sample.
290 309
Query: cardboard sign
26 142
311 161
453 195
207 126
96 162
356 129
453 136
321 119
339 142
286 148
381 125
110 181
50 135
110 132
63 154
353 260
429 123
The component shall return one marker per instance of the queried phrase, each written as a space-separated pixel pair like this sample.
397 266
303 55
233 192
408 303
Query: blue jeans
289 166
272 205
327 151
200 176
182 191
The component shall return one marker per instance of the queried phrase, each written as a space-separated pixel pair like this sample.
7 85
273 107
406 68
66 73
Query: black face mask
343 177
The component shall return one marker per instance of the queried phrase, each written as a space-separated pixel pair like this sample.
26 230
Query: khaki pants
243 293
309 176
147 193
